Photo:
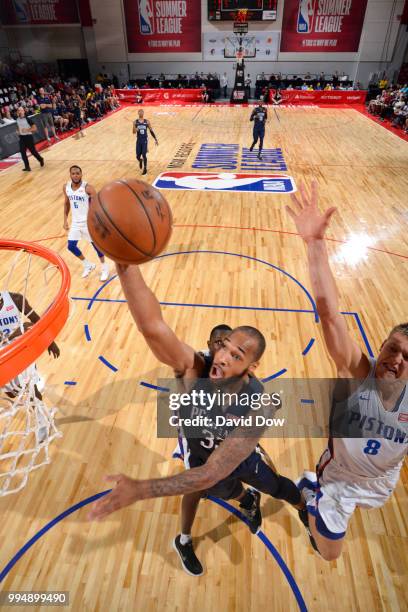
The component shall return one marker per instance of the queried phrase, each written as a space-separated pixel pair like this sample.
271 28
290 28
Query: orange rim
24 350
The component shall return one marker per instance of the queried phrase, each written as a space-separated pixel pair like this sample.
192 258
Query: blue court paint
362 332
220 502
306 401
87 332
155 387
71 383
222 306
308 347
276 375
47 527
287 573
107 363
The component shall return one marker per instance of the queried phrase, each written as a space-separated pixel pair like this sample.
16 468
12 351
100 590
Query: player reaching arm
358 468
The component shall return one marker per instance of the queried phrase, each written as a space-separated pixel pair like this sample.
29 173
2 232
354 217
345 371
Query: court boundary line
266 541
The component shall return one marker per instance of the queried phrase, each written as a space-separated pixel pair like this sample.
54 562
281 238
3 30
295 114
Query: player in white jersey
360 466
11 315
77 194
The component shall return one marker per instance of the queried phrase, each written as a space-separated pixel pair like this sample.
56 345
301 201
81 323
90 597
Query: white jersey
10 316
79 201
383 441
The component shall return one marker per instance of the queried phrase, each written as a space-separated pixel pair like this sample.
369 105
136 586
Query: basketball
130 221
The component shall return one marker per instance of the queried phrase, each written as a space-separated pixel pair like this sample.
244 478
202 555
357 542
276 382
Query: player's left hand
54 350
126 492
157 143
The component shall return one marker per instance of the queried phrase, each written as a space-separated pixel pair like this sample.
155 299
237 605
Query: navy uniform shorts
141 148
253 472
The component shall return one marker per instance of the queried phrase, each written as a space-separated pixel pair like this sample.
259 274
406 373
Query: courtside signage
225 181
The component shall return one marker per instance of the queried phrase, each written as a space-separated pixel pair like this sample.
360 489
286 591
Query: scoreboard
226 10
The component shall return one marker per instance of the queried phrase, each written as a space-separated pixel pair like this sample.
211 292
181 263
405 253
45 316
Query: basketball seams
122 235
145 211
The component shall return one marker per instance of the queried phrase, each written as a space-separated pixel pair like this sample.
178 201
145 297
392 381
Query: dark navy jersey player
259 116
140 127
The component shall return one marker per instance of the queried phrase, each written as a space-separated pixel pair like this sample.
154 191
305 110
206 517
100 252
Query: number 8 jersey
375 440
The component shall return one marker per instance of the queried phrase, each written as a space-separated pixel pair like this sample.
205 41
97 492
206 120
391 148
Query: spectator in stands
205 95
45 103
307 76
138 98
248 83
383 83
224 84
277 98
6 117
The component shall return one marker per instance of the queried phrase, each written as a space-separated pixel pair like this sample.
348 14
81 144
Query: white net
27 425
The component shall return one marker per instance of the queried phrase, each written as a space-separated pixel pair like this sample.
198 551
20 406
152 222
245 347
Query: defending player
353 471
140 127
77 194
220 460
259 116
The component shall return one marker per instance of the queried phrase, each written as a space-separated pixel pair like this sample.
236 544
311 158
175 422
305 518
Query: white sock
185 539
86 263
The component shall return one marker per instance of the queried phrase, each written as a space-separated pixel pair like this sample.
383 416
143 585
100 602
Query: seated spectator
383 83
318 86
138 98
205 95
277 98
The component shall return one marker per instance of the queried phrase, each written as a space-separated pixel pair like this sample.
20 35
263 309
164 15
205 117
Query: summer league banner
38 12
322 25
157 26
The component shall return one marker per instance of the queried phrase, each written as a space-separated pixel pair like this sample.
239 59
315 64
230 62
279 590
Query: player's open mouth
390 370
216 372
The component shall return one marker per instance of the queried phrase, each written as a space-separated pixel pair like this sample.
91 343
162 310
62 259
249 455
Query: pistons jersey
79 202
367 440
10 315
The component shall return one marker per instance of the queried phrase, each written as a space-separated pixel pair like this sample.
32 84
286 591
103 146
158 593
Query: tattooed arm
231 452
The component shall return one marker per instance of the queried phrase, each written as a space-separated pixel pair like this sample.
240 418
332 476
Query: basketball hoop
18 355
26 423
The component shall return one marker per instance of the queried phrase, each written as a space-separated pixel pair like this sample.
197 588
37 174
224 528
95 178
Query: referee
25 129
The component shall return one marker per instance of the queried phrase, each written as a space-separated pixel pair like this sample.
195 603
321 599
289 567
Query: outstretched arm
146 311
231 452
311 225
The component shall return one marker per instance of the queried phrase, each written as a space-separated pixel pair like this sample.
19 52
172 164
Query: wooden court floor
108 418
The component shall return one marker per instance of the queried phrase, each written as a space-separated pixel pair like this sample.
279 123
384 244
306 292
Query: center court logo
146 22
225 181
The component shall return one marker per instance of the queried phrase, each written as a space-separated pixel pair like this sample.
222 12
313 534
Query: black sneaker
42 162
250 506
26 169
144 171
251 148
140 163
303 515
259 156
188 559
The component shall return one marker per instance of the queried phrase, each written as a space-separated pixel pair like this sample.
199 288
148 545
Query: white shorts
337 496
79 231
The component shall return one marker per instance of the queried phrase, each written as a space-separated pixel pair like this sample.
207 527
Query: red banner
38 12
166 96
157 26
294 96
322 25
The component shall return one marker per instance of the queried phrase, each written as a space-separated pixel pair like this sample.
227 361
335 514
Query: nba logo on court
225 181
305 17
146 22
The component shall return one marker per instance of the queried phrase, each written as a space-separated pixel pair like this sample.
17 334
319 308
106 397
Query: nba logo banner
322 25
225 181
157 26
